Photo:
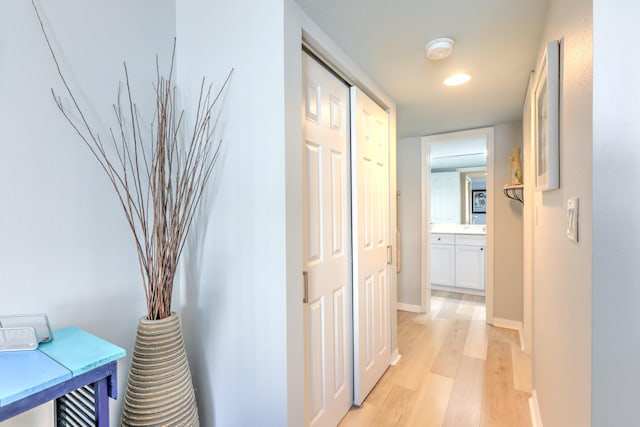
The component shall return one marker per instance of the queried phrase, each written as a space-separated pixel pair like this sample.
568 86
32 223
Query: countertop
480 230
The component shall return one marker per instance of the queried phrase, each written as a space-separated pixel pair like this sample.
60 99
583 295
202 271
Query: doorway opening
457 215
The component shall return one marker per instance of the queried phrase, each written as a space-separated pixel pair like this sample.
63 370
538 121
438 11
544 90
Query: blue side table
76 369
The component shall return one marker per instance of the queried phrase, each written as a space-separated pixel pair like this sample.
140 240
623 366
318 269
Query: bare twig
159 181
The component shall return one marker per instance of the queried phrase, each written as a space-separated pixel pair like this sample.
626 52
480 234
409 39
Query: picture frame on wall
479 201
547 119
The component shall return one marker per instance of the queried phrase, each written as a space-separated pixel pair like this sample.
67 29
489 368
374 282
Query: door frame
529 213
425 279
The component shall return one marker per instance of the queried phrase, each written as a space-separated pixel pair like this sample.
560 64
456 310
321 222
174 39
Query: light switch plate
572 218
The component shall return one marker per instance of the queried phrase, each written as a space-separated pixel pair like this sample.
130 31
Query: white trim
510 324
528 217
491 195
534 410
395 357
458 290
412 308
507 323
425 277
425 287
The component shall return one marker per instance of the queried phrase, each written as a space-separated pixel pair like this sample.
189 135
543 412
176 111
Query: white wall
616 246
235 307
409 219
66 249
562 269
507 287
508 224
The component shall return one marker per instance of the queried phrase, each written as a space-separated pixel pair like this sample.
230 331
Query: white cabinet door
445 198
442 260
470 266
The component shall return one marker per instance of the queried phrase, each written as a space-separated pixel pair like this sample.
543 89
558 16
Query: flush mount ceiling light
457 79
439 48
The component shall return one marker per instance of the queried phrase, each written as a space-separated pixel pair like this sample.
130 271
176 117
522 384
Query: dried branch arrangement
158 179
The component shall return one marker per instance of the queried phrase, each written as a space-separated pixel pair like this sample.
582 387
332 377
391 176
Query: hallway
455 371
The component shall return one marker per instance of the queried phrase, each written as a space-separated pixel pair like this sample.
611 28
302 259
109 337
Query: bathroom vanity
457 256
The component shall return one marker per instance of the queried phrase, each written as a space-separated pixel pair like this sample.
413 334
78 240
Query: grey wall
409 218
66 249
508 225
616 229
235 296
562 269
507 288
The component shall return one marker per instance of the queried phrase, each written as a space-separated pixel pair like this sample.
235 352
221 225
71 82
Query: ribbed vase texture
159 389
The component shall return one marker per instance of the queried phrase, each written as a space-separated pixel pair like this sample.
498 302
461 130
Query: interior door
371 259
327 245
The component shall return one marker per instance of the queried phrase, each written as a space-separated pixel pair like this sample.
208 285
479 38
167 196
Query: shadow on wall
201 324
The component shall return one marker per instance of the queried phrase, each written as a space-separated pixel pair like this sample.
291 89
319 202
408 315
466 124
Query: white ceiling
496 41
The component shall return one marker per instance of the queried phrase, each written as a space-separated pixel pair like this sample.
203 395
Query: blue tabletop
26 372
79 351
71 353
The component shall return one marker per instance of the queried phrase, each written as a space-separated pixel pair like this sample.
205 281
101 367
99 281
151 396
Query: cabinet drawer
442 239
471 240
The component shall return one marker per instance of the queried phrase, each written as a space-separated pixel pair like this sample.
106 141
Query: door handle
389 256
305 296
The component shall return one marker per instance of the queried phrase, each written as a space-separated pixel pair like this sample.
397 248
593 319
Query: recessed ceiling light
439 48
457 79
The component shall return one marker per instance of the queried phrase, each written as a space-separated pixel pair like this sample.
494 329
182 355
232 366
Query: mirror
459 181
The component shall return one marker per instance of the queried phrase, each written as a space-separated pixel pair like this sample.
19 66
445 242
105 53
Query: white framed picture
547 119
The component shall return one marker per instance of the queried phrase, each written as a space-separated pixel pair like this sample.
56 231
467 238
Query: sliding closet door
372 257
327 246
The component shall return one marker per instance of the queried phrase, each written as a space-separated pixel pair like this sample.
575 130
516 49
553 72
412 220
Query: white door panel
370 216
327 247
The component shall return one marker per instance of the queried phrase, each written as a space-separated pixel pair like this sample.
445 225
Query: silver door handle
305 296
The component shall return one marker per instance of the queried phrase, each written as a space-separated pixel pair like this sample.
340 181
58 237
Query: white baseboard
409 307
458 290
510 324
534 410
395 357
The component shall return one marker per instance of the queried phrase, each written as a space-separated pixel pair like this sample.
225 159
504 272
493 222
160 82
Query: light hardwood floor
455 371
